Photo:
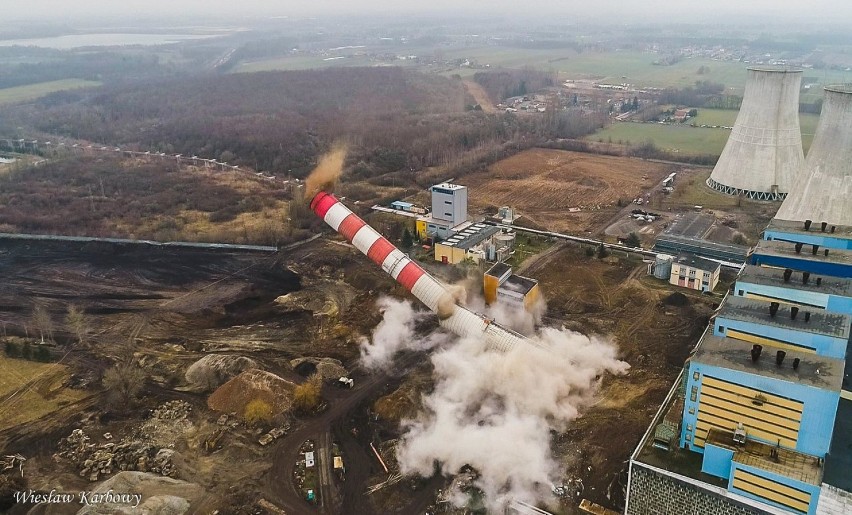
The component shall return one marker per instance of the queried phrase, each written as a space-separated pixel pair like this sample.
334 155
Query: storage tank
505 239
663 266
763 155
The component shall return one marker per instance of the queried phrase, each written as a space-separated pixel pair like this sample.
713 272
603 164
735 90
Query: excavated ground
169 307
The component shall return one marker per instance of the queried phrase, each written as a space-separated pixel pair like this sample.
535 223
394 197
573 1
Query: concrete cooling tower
823 192
763 155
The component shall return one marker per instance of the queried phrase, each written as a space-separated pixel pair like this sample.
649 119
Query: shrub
257 411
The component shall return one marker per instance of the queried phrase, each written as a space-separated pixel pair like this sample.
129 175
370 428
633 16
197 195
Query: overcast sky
838 11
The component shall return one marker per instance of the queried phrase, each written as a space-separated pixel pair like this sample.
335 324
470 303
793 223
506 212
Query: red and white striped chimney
409 274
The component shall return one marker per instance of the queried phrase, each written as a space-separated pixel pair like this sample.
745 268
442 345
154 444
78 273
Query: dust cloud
327 171
495 411
396 332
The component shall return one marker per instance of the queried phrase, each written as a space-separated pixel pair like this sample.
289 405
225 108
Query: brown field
543 184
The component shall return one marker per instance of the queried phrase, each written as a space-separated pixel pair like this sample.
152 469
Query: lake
88 40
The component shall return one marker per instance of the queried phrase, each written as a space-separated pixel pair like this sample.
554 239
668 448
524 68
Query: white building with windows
695 273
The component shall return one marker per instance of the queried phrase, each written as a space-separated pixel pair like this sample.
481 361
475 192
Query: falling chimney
779 357
788 272
794 312
796 362
798 248
808 225
755 352
826 252
823 226
773 308
819 281
807 316
805 277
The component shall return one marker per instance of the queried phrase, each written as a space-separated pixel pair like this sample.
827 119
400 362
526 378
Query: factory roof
838 462
449 186
694 261
775 277
519 284
772 458
788 250
821 322
471 236
840 231
499 269
816 371
674 242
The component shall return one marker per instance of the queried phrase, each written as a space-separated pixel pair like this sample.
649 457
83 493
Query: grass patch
685 139
43 393
40 89
526 246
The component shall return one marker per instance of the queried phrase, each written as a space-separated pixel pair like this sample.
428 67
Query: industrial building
499 284
763 155
695 273
471 241
675 244
760 420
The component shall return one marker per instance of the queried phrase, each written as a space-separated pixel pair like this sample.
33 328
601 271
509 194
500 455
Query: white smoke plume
495 411
396 332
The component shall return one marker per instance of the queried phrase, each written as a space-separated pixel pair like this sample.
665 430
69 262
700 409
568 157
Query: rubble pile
139 451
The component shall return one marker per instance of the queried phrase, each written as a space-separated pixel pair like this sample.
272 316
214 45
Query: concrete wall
788 295
801 341
803 263
824 240
834 501
652 493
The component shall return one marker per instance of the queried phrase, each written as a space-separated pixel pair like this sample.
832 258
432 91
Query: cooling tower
763 155
409 274
823 192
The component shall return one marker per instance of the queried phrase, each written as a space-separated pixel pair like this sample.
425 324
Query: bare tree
123 382
78 322
43 322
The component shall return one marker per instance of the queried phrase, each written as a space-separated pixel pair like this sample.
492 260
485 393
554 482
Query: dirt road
480 95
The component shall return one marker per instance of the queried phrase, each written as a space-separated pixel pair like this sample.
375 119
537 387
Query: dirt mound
676 299
212 370
159 495
328 368
233 396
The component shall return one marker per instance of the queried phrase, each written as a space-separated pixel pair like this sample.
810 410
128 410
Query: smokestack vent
773 308
808 225
805 277
823 225
826 252
815 249
807 316
819 281
755 352
832 229
796 362
788 272
779 357
798 248
794 312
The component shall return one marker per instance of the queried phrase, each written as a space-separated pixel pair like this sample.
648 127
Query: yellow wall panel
749 411
742 399
737 335
750 392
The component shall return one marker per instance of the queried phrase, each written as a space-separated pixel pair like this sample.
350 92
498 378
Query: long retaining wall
653 493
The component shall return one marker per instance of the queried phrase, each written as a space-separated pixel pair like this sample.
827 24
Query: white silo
763 155
823 192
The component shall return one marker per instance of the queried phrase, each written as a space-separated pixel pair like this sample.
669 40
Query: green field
40 89
633 67
690 140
